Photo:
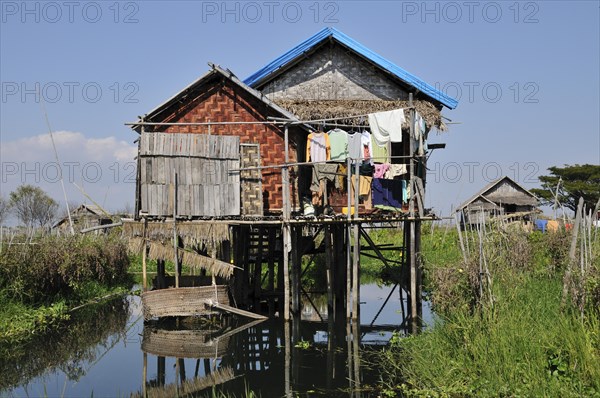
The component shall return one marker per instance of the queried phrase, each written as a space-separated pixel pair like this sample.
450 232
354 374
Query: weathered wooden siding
332 73
205 185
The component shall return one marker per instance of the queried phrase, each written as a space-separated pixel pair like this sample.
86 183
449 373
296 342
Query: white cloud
99 165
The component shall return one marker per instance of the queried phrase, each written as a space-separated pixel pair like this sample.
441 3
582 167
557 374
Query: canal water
108 351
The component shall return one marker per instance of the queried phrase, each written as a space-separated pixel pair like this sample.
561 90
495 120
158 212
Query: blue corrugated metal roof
347 41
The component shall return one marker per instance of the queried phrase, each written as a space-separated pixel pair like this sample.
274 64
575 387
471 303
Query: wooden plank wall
205 187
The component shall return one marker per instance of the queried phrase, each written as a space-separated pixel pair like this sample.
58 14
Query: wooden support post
288 358
246 256
286 270
356 272
144 255
330 273
296 269
411 207
348 243
238 260
339 267
175 238
258 267
271 243
287 241
356 344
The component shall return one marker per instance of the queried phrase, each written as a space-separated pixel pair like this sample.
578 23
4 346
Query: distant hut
503 198
84 216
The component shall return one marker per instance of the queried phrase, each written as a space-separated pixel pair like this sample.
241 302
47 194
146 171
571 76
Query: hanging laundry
342 175
387 126
379 153
366 146
355 148
380 170
364 190
418 140
338 140
387 193
318 147
324 171
395 170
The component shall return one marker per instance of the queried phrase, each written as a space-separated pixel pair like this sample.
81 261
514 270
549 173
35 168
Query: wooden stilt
258 267
144 256
348 243
286 270
288 358
238 260
356 251
411 207
175 238
295 280
339 267
330 273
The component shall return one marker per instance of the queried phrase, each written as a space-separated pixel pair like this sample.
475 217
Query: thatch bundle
341 109
195 261
193 234
135 245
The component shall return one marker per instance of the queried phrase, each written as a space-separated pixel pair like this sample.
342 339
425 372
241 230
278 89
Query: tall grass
41 280
521 344
64 266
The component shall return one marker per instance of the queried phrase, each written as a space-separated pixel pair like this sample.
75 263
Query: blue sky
527 76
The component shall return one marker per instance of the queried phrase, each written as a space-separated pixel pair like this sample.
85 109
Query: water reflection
72 350
110 351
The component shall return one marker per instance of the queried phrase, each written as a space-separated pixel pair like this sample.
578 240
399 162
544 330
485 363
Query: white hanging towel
387 126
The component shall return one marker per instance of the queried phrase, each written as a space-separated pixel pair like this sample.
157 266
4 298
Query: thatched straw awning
328 109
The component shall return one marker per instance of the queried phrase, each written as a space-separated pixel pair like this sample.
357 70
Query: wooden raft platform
183 301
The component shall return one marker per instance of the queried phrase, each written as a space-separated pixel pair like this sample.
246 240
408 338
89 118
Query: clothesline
272 120
352 160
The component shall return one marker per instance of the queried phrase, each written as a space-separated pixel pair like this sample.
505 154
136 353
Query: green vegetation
565 185
510 337
41 280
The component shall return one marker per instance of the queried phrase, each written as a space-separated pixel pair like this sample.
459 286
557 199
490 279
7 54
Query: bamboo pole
572 253
286 229
460 238
411 208
175 245
356 251
144 257
330 273
348 240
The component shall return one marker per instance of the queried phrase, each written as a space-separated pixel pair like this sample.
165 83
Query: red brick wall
222 101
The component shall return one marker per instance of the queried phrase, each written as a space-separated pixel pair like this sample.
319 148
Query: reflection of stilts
190 343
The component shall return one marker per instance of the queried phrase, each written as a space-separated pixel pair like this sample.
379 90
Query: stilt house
328 76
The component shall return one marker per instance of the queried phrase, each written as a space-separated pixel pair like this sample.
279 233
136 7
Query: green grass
524 345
